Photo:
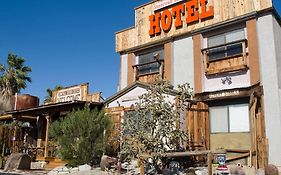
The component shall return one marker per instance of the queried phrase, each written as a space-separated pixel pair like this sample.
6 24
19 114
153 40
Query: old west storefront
219 48
25 129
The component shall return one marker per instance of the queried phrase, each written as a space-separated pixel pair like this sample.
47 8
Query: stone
18 161
59 170
260 171
271 170
107 162
249 171
85 167
74 170
37 165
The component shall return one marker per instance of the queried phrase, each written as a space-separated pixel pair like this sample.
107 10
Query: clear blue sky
67 42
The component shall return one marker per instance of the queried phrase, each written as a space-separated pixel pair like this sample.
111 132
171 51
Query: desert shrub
81 135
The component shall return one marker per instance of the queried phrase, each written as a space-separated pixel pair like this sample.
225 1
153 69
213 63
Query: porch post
14 136
47 135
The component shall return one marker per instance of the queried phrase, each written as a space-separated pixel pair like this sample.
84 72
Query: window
230 118
149 62
225 45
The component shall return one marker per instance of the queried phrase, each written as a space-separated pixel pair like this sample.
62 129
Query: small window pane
219 119
216 40
216 53
239 118
149 57
235 35
234 49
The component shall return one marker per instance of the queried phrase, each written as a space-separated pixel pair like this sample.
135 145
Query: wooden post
15 137
39 130
209 163
47 135
141 166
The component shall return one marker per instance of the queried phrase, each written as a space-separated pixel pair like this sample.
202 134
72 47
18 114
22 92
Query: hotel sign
188 12
69 94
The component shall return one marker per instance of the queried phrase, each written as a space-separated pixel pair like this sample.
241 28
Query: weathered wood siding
223 10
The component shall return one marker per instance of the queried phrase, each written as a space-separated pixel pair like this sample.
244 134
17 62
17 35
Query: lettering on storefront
70 94
224 94
191 11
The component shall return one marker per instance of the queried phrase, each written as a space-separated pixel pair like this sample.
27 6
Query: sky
67 42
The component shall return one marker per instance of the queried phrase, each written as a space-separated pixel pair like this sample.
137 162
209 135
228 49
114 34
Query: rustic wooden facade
25 129
226 58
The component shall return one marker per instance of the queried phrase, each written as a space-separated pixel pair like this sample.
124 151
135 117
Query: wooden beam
238 157
237 150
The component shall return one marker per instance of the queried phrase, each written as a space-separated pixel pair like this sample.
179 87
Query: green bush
81 135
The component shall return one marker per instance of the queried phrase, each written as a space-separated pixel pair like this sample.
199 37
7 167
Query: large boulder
107 162
18 161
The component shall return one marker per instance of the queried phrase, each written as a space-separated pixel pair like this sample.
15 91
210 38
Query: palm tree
49 91
14 77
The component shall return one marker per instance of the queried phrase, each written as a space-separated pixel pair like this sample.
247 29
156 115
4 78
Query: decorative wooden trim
253 51
167 61
224 70
197 63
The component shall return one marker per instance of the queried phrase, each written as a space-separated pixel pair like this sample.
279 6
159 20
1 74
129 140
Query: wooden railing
227 63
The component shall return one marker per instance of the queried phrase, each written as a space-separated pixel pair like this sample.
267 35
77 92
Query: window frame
225 43
159 50
228 106
233 59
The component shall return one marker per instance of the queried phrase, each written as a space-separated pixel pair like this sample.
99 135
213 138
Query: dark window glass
216 53
150 57
227 50
234 49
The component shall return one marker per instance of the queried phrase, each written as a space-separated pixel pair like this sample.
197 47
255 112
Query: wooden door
197 126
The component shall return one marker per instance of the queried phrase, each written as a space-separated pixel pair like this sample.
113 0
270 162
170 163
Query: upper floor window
149 62
225 45
225 52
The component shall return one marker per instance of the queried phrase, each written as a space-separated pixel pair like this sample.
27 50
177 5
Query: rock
85 168
74 170
59 170
249 171
260 171
271 170
106 162
37 165
18 161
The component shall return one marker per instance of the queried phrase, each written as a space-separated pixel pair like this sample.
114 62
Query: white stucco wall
269 52
219 82
131 97
182 62
123 71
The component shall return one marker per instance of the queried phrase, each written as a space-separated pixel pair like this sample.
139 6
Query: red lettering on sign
206 14
155 24
166 20
189 10
192 11
178 11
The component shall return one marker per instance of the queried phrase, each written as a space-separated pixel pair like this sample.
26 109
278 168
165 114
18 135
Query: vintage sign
191 11
224 94
69 94
164 3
